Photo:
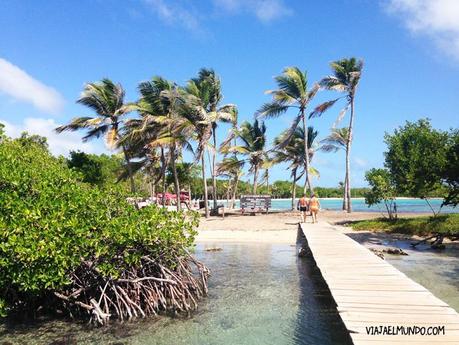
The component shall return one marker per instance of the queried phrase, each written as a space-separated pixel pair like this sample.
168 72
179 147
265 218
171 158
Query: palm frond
76 124
322 108
287 136
341 115
272 109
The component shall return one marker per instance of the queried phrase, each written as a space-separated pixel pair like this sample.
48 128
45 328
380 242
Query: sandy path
272 228
277 227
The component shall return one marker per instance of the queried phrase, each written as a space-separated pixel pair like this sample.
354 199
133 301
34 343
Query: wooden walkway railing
373 297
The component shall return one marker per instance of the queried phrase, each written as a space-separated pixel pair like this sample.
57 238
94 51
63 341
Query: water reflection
258 294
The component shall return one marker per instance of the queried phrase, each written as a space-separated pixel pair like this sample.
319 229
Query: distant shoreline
355 198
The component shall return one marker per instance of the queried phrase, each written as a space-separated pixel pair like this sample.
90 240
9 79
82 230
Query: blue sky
49 49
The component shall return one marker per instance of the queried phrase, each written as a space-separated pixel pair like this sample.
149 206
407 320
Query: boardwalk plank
370 292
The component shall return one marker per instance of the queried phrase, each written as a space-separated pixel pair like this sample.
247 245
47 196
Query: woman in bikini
303 204
314 206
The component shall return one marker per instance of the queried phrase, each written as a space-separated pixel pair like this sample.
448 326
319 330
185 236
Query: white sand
269 228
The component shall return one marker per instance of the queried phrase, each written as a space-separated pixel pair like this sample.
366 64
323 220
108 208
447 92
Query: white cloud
183 13
264 10
175 14
360 162
59 144
436 19
21 86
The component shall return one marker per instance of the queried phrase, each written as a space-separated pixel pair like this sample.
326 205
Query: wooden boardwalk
370 292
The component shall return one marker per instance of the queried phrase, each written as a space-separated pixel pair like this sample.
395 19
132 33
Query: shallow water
436 270
258 294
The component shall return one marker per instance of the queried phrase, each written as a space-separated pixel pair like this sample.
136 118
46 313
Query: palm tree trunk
152 189
128 163
348 164
294 189
204 181
163 163
345 193
306 153
214 177
255 179
267 181
236 183
176 180
307 184
228 193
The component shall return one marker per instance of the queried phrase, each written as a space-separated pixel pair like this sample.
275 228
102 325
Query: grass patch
447 224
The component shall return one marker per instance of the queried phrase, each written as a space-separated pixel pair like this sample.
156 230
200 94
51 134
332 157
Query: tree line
171 119
104 171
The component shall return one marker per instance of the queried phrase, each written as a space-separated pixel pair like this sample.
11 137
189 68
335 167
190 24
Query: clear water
436 270
358 204
258 294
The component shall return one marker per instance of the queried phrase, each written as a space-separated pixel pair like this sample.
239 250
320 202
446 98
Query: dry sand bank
282 227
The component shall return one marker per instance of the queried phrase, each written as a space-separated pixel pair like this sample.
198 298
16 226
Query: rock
394 251
377 252
213 249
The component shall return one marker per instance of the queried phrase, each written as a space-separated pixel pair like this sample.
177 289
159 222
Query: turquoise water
258 294
358 204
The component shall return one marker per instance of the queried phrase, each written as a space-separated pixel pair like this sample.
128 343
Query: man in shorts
303 206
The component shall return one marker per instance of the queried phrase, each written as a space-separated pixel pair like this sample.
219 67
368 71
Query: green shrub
53 226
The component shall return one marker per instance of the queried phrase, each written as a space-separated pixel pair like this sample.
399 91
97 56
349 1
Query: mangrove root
147 290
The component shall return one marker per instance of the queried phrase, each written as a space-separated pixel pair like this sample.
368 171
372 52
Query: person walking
314 206
303 204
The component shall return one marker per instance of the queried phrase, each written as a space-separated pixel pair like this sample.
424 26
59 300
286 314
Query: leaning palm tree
162 104
196 124
207 87
231 167
335 141
253 147
294 154
141 134
345 78
292 92
107 100
159 125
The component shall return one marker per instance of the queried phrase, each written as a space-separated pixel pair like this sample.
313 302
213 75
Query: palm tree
294 154
253 139
231 167
337 140
107 100
292 92
160 124
207 86
345 78
196 124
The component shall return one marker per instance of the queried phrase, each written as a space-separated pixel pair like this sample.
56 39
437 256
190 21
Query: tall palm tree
253 147
160 124
207 86
345 79
196 124
337 140
294 154
292 92
107 100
